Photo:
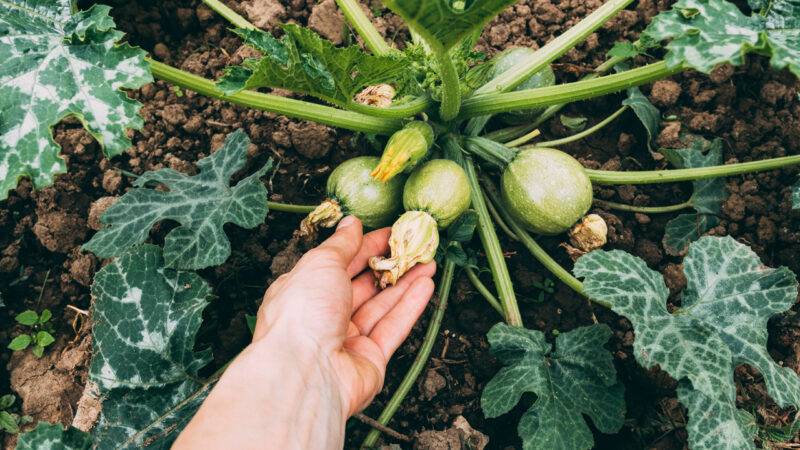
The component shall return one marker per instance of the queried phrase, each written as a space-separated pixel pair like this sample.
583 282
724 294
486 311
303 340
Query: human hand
323 338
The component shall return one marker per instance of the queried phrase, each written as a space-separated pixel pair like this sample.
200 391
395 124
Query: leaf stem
422 357
523 139
643 209
697 173
285 207
582 134
229 14
451 87
281 105
483 290
565 93
497 219
555 48
364 27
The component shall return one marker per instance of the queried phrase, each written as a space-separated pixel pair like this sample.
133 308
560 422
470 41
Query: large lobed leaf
54 437
145 318
440 21
707 198
304 62
710 32
577 378
722 323
57 64
202 204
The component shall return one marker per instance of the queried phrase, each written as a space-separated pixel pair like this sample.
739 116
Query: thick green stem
364 27
422 357
555 48
582 134
483 290
281 105
497 219
416 106
526 239
229 14
698 173
564 93
451 87
284 207
643 209
491 245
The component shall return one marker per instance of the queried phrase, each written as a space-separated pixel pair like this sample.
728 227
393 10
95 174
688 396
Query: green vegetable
439 188
352 191
404 150
506 61
434 196
547 190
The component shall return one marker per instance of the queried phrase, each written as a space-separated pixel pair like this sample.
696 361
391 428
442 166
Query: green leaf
37 350
304 62
576 379
58 64
54 437
7 423
46 315
783 434
457 255
648 114
202 204
20 342
146 318
795 200
709 32
625 50
27 318
440 23
721 324
43 338
707 198
6 401
462 229
251 322
574 124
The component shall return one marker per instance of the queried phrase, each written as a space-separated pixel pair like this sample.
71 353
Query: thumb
346 241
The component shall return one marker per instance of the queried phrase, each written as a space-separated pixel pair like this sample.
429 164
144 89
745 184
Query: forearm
270 396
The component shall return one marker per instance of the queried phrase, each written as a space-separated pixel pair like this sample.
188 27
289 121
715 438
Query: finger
365 287
394 327
345 242
375 309
374 243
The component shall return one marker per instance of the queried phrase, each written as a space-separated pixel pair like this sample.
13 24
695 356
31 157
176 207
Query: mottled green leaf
54 437
304 62
709 32
707 198
796 196
7 423
721 324
202 204
27 318
20 342
58 64
440 23
576 379
648 114
145 321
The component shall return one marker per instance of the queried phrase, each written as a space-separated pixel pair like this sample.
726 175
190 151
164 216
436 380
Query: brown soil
753 109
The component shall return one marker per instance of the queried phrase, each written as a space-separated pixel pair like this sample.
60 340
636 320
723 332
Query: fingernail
346 222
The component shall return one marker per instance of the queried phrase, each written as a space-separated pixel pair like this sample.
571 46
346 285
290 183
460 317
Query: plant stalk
643 209
364 27
483 290
451 87
416 106
290 107
523 139
422 357
565 93
582 134
229 14
497 219
555 48
697 173
285 207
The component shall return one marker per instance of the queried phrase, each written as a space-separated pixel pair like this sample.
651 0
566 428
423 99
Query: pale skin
323 338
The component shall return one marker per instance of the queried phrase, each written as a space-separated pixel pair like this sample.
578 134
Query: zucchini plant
436 100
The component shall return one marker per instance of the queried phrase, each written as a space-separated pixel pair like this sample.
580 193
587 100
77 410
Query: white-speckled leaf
576 379
709 32
439 20
707 198
722 323
202 204
54 437
145 318
56 64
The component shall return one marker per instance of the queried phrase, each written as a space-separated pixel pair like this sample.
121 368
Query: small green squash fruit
546 190
439 188
543 78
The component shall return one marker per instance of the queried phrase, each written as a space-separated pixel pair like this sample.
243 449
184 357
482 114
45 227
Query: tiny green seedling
10 419
546 287
40 335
